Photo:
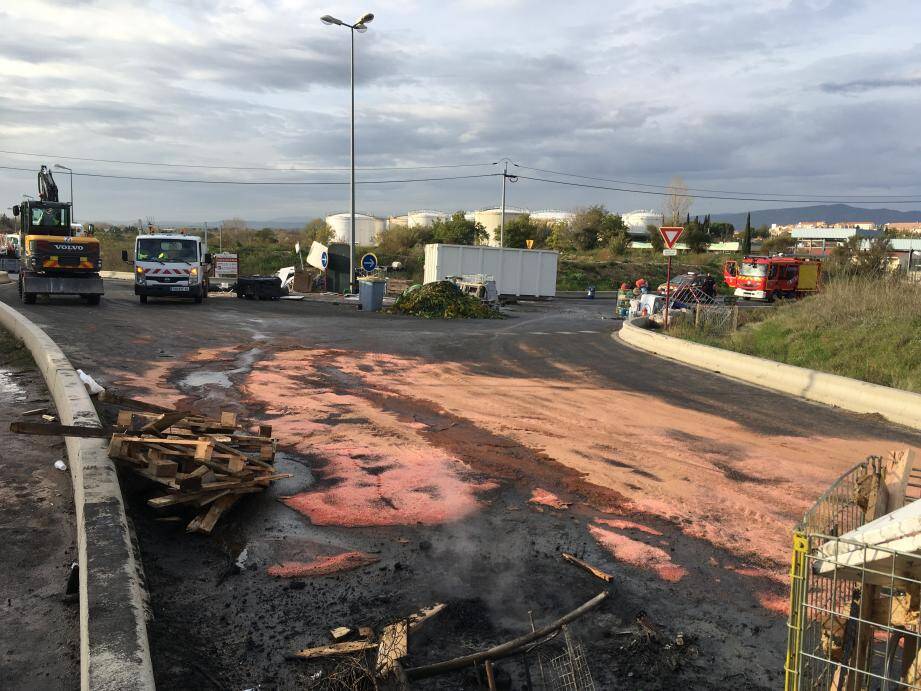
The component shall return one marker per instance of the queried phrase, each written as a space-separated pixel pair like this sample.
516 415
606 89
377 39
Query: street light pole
70 174
352 182
360 26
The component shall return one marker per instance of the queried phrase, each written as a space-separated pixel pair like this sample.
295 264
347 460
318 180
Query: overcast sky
800 97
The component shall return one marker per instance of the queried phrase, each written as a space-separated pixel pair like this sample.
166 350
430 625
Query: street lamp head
367 19
361 28
60 167
328 19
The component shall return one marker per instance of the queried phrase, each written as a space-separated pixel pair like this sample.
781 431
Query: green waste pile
442 300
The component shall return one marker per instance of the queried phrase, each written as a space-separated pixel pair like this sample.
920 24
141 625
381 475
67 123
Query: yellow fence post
795 620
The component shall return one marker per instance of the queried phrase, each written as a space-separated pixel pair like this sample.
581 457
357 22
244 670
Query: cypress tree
747 239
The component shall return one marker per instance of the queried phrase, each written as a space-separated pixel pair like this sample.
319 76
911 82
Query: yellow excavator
52 260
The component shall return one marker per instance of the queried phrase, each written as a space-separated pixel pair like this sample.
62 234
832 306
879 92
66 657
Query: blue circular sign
369 262
324 259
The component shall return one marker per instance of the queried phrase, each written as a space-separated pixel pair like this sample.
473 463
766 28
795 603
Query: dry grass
863 328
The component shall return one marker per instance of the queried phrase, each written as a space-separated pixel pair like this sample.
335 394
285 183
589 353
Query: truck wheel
92 299
198 299
143 299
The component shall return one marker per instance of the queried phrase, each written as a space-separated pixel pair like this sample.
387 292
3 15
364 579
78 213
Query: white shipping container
526 273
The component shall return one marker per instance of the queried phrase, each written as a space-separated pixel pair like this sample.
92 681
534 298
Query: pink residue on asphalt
546 498
400 486
322 566
779 604
374 469
623 524
638 554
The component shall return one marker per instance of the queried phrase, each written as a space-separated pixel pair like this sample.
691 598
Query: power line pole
502 217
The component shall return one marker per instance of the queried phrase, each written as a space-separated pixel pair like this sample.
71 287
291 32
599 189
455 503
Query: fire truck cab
766 278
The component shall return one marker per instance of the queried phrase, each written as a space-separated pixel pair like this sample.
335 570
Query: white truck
170 265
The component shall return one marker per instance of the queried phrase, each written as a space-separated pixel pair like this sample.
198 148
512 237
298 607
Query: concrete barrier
902 407
114 650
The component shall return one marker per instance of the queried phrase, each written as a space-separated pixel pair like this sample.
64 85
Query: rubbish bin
371 293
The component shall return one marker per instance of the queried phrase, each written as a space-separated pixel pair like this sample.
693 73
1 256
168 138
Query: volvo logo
77 248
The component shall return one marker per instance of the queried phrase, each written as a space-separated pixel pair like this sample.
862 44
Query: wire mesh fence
569 671
854 606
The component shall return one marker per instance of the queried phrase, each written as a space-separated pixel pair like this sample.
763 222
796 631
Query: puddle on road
222 379
10 389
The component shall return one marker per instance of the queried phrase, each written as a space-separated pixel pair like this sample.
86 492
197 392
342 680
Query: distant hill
830 213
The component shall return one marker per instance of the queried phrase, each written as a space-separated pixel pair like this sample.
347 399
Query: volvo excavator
52 260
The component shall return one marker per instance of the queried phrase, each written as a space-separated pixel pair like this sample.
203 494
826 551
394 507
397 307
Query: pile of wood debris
200 462
197 461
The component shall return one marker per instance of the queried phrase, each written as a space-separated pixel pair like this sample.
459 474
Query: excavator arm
47 189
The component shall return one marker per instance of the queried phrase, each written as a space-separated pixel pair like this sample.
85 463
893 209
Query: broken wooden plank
57 430
340 633
393 647
204 523
598 573
333 649
228 418
109 396
160 467
366 632
423 615
163 422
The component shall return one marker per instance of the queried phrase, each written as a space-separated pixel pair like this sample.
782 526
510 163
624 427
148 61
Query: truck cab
52 260
170 265
766 278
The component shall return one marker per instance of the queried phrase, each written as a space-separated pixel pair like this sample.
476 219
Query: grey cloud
863 85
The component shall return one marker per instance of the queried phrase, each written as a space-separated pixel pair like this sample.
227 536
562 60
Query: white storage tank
397 221
553 217
525 273
636 221
367 227
491 220
424 219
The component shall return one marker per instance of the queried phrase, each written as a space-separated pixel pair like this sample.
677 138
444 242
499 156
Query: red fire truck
766 278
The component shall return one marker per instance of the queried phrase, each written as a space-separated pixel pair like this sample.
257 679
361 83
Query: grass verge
862 328
13 354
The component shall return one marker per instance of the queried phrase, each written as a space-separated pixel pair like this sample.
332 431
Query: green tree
398 240
266 235
695 237
457 230
521 229
317 230
7 224
747 236
778 243
722 231
655 237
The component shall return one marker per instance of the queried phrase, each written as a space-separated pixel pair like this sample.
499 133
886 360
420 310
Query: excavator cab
43 218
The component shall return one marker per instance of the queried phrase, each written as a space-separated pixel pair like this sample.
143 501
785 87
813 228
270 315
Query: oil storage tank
491 220
367 227
424 218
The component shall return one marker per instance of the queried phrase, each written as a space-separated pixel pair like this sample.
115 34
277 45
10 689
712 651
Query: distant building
636 221
906 254
821 240
909 228
397 221
424 218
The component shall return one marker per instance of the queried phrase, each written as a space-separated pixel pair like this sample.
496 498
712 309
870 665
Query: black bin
260 288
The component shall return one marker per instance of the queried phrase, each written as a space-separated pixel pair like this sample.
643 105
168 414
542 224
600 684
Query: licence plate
177 289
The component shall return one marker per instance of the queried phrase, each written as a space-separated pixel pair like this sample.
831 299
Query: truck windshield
163 250
44 219
752 269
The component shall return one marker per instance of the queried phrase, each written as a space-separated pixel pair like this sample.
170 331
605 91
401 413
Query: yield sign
670 234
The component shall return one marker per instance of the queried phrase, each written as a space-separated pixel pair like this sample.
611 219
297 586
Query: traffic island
114 650
901 407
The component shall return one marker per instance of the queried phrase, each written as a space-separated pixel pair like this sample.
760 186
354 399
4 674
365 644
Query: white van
170 265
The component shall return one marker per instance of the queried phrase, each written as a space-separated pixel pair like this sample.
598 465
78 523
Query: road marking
589 332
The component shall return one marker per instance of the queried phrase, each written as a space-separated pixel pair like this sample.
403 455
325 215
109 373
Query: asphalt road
701 503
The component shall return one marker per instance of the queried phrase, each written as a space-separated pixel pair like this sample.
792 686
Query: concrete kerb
114 650
901 407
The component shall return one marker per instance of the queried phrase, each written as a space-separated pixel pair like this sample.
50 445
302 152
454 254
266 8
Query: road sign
530 244
226 265
324 259
670 252
670 234
369 262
